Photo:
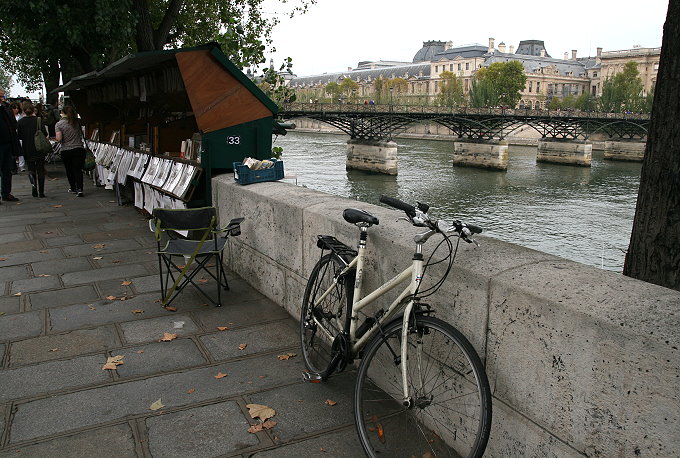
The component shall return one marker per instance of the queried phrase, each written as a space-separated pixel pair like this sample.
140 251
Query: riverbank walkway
79 285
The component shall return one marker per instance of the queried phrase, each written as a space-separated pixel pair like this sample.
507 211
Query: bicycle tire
331 313
453 419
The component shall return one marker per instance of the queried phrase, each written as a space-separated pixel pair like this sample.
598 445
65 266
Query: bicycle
421 389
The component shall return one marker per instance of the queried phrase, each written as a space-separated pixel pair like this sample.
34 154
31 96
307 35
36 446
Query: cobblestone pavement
75 274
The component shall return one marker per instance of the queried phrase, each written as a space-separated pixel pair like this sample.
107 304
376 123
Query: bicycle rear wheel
449 414
319 324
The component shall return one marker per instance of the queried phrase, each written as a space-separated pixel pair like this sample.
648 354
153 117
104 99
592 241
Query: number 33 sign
233 140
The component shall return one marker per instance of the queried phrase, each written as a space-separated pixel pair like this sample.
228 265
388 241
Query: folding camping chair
187 240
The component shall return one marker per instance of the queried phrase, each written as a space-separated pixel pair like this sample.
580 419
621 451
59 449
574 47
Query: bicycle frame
414 271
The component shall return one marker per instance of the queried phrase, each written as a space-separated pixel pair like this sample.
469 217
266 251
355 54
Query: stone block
65 296
268 337
61 267
152 329
138 256
35 284
488 155
27 257
212 430
111 246
372 155
159 357
13 273
99 405
105 273
11 237
624 150
339 444
64 241
59 346
108 442
49 377
242 313
564 152
146 284
21 246
21 325
10 304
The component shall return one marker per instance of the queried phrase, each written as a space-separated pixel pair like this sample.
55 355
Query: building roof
465 51
533 64
419 70
531 48
429 49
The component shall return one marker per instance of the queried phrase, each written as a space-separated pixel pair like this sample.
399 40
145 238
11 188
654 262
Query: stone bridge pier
372 155
488 154
571 152
624 150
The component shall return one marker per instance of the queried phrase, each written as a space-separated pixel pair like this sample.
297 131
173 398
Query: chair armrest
233 228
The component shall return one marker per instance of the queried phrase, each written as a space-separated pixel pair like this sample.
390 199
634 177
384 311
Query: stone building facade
547 77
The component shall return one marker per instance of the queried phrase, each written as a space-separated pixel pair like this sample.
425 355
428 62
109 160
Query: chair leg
224 274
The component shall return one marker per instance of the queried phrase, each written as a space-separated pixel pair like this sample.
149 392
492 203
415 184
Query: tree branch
169 19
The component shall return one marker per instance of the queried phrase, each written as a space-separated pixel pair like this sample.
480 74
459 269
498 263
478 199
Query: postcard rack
158 181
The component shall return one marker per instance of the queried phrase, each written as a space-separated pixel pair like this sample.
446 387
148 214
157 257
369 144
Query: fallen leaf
220 375
44 275
43 251
112 362
140 351
427 455
260 411
17 294
203 280
126 283
156 405
99 245
287 356
191 390
381 433
91 307
170 308
322 450
2 313
181 267
330 403
112 201
123 298
261 376
57 206
242 346
115 262
167 337
3 259
269 424
222 328
54 349
48 232
111 298
97 258
138 311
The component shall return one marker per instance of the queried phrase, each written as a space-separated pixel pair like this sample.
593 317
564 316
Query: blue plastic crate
243 175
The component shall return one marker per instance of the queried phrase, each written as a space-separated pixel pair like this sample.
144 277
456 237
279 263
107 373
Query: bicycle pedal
311 377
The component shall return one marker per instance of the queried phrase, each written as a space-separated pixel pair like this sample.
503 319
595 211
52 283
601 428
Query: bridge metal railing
415 109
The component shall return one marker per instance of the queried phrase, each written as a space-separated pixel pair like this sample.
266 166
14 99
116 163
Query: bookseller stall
164 122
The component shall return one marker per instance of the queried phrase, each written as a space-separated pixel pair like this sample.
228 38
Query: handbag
43 147
89 163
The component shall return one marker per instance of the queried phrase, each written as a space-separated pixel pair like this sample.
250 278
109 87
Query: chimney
448 45
491 44
566 55
573 54
349 69
599 52
501 47
542 53
512 49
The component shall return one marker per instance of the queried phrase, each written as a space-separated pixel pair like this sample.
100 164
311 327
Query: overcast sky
337 34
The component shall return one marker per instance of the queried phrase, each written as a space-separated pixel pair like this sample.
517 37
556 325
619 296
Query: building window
467 65
656 66
450 67
531 83
460 67
538 86
436 68
594 74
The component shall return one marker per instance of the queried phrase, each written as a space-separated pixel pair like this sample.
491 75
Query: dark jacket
26 128
8 130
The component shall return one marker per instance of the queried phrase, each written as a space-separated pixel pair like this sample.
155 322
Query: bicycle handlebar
398 204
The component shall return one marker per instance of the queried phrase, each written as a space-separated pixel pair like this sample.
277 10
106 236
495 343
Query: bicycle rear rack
328 242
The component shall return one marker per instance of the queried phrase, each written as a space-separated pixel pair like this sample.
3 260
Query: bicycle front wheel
320 323
448 411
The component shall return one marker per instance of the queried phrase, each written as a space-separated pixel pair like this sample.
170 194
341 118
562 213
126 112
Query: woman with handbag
67 132
35 147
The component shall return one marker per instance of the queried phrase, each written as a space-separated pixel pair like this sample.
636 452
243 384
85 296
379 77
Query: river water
579 213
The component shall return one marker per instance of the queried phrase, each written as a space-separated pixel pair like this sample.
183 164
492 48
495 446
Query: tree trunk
51 78
144 35
654 251
169 19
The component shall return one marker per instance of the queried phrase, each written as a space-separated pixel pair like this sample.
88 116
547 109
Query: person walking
18 112
67 132
9 149
26 129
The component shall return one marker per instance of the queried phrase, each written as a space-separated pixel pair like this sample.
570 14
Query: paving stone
71 317
64 240
18 247
261 338
301 408
21 325
340 444
14 273
240 314
10 304
13 259
153 329
123 233
35 284
110 246
110 442
78 342
10 237
61 267
40 232
2 422
126 257
105 273
2 356
212 430
66 296
103 404
159 357
52 376
146 284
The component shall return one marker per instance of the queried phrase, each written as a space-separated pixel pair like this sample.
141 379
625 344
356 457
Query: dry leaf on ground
99 245
43 251
138 311
57 206
111 298
112 362
242 346
44 275
115 262
91 307
54 349
191 390
17 294
98 258
167 337
220 375
260 411
222 328
269 424
140 351
287 356
3 259
170 308
156 405
203 280
126 283
330 403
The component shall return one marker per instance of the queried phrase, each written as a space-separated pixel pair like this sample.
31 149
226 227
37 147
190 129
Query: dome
429 49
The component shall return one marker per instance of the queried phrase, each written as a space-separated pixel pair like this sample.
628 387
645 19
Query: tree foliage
501 83
348 86
623 92
5 79
333 90
451 93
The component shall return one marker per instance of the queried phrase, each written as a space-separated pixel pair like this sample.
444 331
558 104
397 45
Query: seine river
578 213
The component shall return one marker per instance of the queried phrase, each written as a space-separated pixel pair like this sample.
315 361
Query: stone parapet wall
580 360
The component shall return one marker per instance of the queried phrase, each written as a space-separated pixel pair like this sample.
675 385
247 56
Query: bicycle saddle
355 216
